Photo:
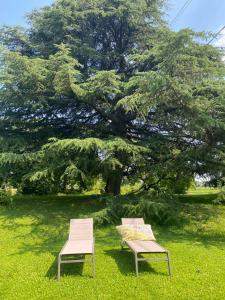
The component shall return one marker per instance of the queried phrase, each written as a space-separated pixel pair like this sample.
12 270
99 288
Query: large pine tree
105 88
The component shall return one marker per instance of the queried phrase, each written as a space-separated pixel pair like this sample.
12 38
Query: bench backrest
133 221
81 229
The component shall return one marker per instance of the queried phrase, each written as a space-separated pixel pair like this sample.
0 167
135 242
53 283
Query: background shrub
6 198
220 199
39 186
159 207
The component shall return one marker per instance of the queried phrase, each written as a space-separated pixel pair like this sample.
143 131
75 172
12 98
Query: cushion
136 232
146 229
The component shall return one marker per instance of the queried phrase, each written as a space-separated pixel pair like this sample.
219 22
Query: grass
33 232
203 191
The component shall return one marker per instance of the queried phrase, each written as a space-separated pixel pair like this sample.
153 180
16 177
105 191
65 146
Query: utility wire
181 11
216 35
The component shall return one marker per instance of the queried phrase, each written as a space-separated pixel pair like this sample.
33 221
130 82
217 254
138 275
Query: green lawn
32 234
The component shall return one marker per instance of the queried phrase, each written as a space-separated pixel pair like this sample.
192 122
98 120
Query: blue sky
12 12
200 15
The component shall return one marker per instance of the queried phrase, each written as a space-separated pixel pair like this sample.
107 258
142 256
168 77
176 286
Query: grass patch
33 232
203 191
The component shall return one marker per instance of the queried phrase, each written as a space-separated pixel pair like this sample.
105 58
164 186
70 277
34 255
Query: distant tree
105 88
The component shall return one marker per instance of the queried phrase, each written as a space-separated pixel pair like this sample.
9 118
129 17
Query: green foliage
220 199
6 198
102 217
160 208
37 183
179 183
155 207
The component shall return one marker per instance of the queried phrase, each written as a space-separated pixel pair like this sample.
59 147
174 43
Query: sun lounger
80 242
140 247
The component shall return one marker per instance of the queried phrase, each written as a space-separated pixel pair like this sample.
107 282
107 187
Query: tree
105 88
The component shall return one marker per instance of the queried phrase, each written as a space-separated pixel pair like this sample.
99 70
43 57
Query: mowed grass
33 232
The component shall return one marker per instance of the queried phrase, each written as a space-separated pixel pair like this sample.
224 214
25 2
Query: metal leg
169 265
93 265
136 263
59 262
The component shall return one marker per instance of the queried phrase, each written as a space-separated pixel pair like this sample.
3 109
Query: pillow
136 232
128 234
146 229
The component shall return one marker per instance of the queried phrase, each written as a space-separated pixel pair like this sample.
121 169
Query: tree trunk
113 183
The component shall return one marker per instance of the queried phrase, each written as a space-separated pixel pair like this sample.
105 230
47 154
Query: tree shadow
189 212
198 198
207 239
126 265
42 224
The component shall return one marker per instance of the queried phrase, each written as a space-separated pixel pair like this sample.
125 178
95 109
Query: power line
181 11
216 35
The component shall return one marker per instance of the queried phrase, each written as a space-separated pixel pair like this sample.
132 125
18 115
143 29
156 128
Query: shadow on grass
198 237
73 269
41 224
125 262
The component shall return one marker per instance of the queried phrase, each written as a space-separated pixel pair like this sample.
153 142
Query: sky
200 15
